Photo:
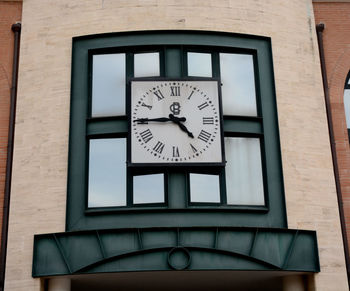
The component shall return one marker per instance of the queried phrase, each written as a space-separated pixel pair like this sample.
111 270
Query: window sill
191 208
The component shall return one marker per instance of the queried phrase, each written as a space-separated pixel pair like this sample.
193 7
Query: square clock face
176 122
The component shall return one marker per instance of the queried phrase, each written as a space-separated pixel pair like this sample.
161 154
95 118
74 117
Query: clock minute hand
178 120
160 119
145 120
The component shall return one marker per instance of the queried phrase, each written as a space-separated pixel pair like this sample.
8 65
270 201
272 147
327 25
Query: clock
177 122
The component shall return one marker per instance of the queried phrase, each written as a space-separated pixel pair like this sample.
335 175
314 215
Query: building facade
89 212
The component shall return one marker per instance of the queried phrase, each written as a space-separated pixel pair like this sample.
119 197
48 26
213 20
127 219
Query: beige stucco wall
41 142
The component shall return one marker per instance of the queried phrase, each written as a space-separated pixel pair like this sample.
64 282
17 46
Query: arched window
347 102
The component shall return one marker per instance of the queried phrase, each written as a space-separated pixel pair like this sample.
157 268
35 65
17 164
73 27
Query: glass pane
199 64
149 189
347 106
244 180
205 188
238 84
146 65
108 85
107 172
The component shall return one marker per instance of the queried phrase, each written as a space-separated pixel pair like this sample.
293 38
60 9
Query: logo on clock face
175 122
175 108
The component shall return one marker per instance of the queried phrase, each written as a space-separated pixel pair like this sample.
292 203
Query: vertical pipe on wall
16 28
319 28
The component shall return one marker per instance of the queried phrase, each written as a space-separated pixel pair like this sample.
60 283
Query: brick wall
10 13
336 17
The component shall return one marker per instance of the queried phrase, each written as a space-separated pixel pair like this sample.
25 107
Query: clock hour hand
178 120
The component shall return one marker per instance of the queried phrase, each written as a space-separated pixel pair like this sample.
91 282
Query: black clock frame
170 164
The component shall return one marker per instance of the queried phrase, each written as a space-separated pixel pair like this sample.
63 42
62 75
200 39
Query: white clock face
175 122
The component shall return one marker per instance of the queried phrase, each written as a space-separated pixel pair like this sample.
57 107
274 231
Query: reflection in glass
244 181
108 85
199 64
347 106
107 172
238 84
148 189
205 188
146 65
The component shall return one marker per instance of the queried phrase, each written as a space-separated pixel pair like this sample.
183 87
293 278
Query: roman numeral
208 120
175 90
145 105
146 135
189 97
193 148
176 153
204 136
202 106
159 95
159 147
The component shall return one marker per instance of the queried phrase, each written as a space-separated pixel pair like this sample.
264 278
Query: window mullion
173 62
107 126
177 194
215 59
245 126
129 68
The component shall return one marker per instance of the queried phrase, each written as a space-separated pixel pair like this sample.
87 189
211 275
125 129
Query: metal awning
183 248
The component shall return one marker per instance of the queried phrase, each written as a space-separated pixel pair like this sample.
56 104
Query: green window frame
173 47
